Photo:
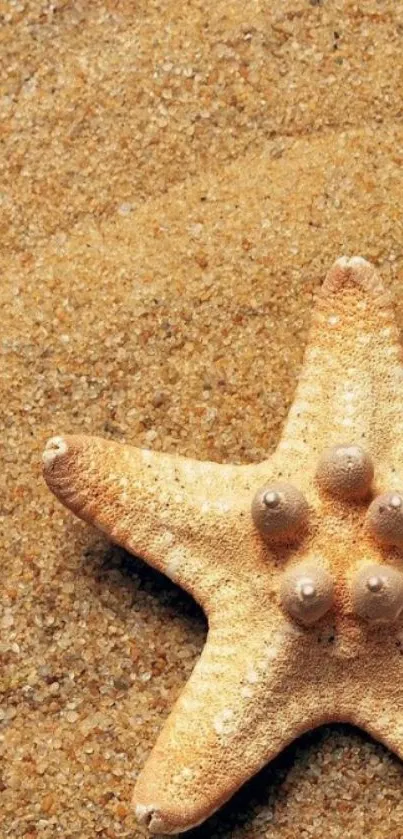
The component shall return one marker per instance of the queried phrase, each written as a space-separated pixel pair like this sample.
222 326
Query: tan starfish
297 561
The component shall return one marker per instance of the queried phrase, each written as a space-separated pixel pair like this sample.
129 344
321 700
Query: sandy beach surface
176 178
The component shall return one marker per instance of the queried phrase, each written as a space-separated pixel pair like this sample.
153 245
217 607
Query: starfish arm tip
352 365
352 262
160 820
150 816
353 271
170 510
54 448
65 459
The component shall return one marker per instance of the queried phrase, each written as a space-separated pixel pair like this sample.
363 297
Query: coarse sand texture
176 182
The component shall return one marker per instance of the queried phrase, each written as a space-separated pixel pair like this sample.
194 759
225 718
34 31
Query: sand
176 179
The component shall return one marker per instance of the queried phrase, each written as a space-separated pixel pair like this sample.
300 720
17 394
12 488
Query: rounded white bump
246 692
224 722
252 676
374 583
271 499
351 261
150 816
307 589
55 447
144 812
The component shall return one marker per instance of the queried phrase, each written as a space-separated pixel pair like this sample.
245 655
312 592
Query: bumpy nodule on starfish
279 511
307 592
385 519
302 585
377 593
345 471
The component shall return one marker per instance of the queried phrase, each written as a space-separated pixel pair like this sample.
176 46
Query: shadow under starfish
297 561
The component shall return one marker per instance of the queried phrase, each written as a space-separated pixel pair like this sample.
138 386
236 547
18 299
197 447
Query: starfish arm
175 513
236 713
352 369
375 704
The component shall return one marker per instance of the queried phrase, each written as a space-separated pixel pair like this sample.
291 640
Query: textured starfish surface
302 586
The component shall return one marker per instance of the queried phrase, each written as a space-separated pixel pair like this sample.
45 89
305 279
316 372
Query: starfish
296 561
